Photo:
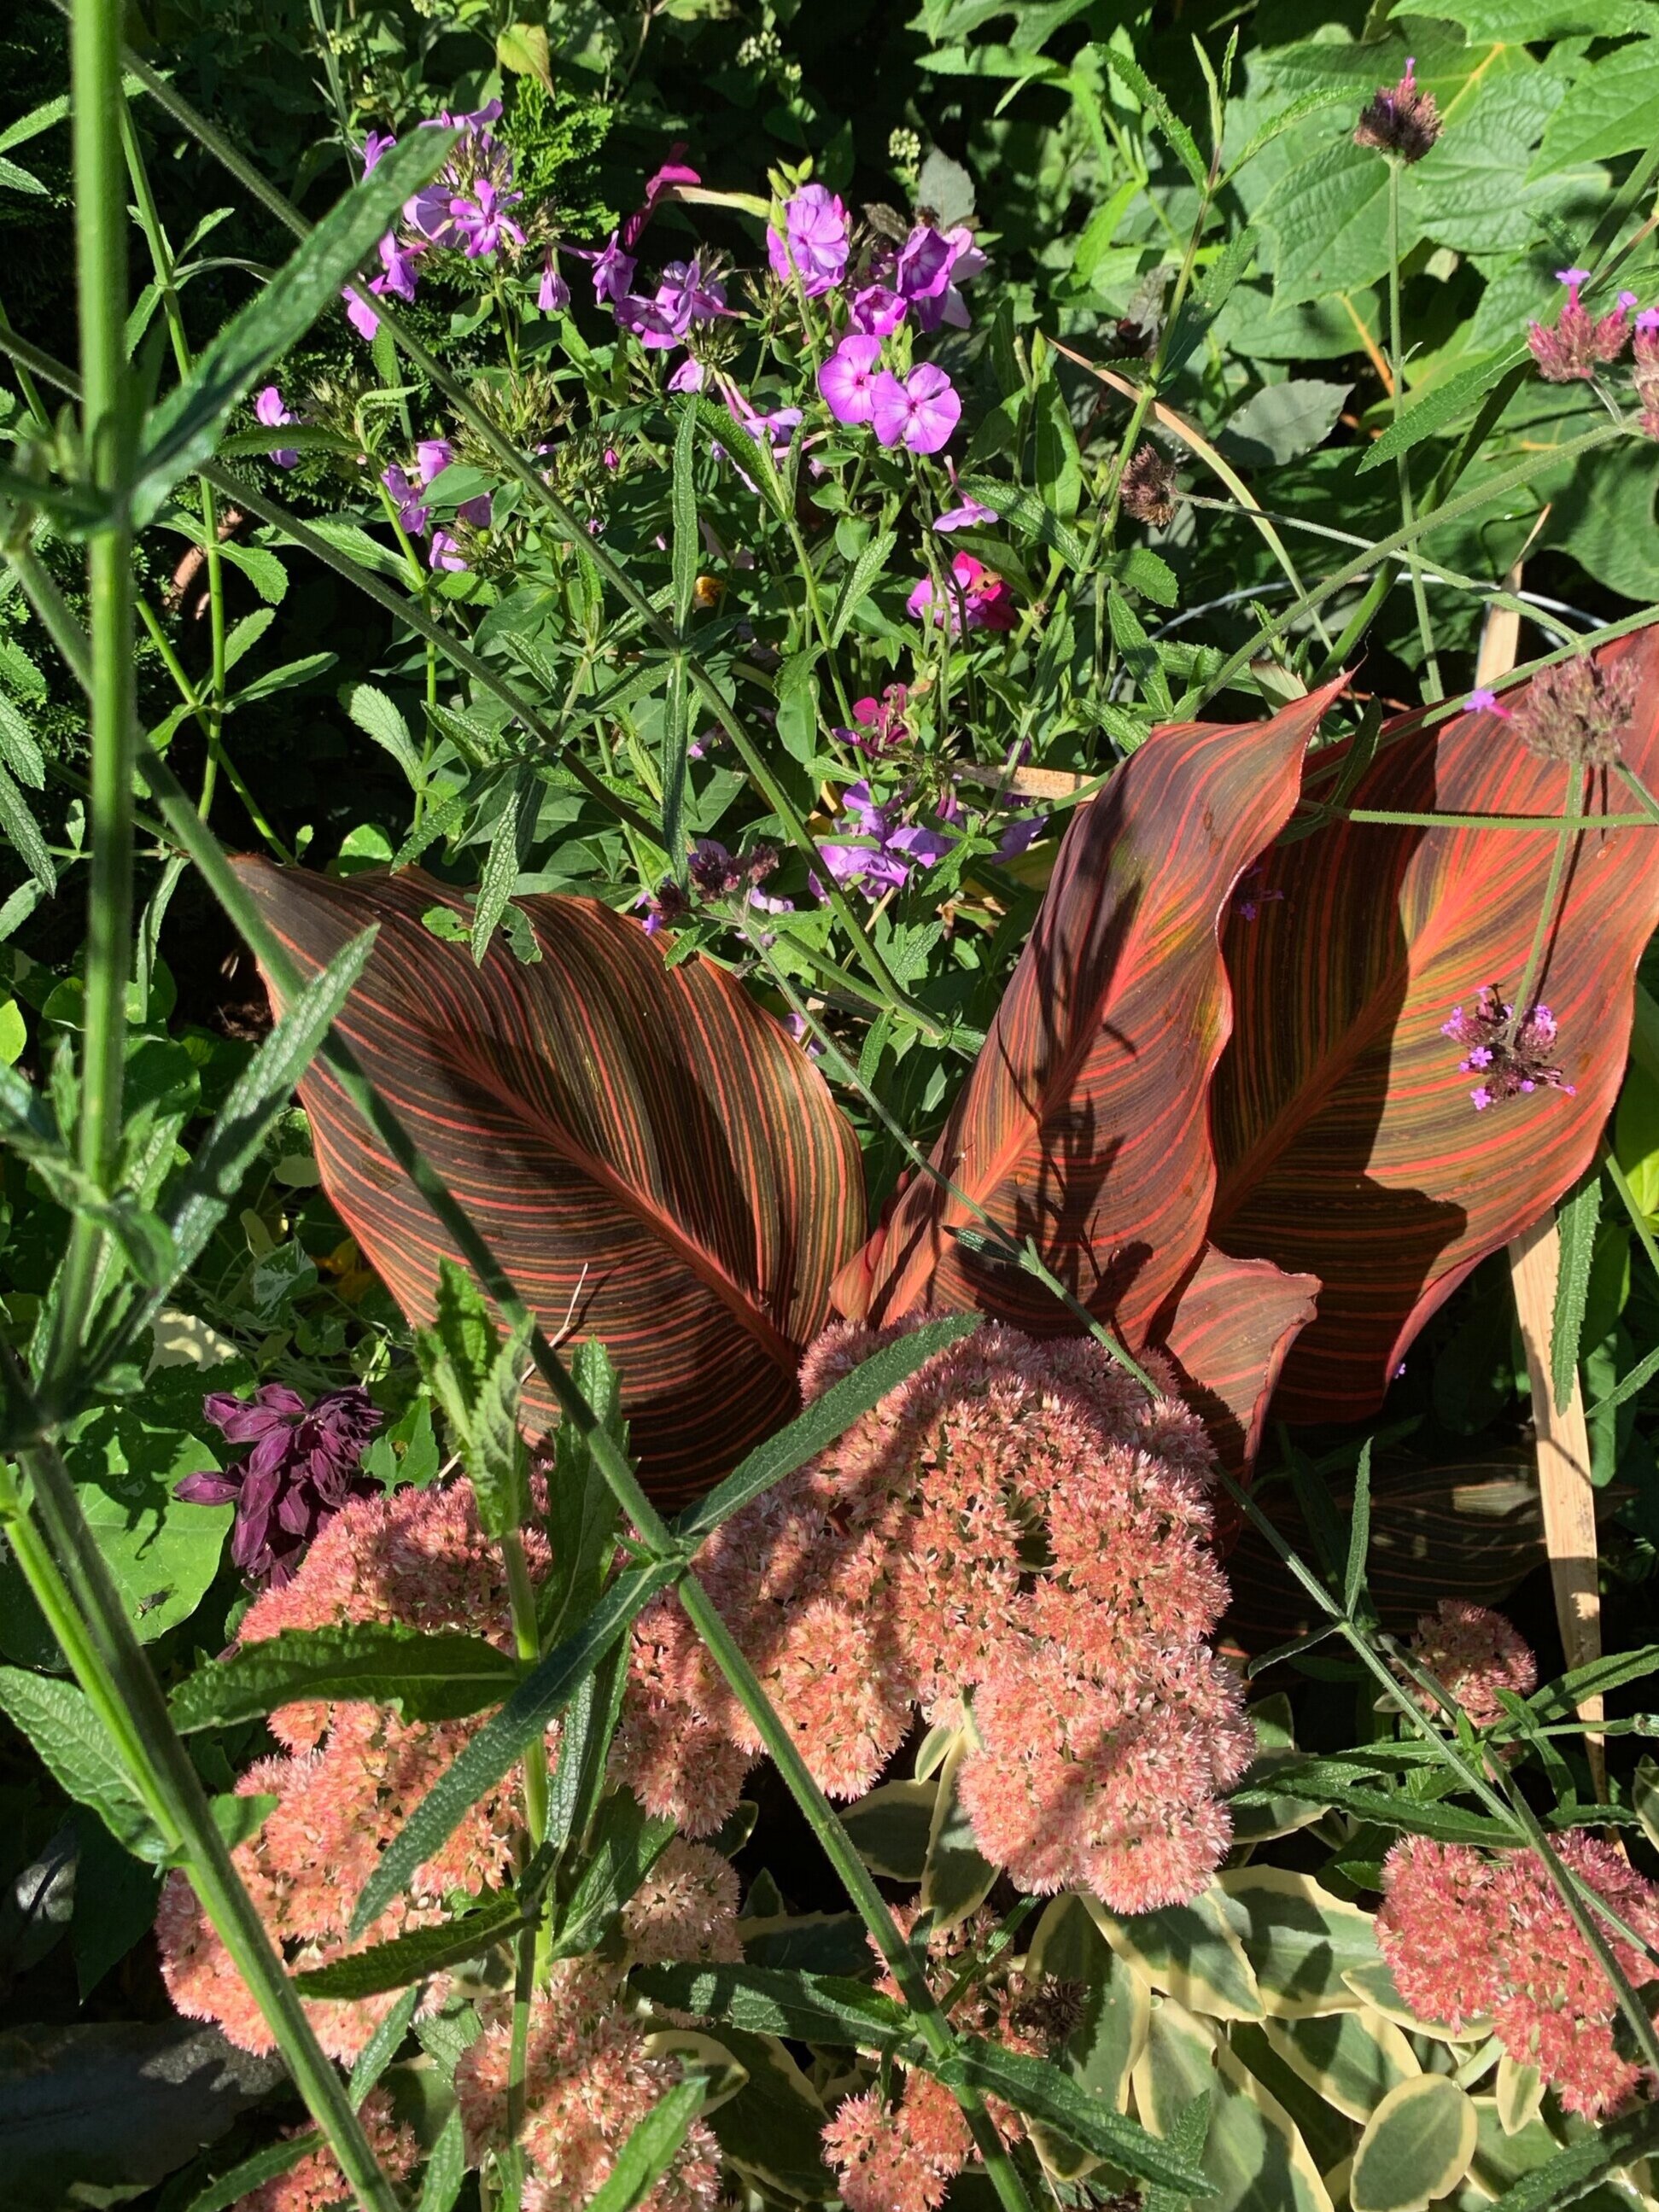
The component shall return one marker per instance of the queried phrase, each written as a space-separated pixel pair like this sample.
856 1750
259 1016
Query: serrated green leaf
1576 1218
1024 512
859 581
239 2181
827 2009
430 1676
501 872
377 718
626 1843
1042 2092
1608 109
22 832
1181 140
406 1959
75 1745
1447 404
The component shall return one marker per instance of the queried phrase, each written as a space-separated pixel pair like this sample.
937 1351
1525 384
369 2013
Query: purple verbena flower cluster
1577 342
1511 1061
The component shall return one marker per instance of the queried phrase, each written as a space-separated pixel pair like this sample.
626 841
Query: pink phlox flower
815 239
882 726
1510 1061
1579 343
982 596
269 409
304 1465
918 411
374 145
687 377
613 271
411 509
848 378
877 310
672 173
929 271
969 515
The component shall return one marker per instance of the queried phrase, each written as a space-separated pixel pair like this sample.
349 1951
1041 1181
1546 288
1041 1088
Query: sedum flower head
305 1464
1400 119
1579 710
1471 1938
353 1772
317 2183
1016 1532
686 1908
589 2079
1472 1653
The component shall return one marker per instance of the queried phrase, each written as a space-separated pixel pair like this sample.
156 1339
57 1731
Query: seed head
1400 119
1507 1065
1148 484
1579 710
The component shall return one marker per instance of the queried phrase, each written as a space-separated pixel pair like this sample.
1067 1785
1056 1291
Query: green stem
1433 686
1577 778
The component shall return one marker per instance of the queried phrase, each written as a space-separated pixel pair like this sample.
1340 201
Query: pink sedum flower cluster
1473 1653
317 2183
589 2079
353 1772
1016 1539
1472 1938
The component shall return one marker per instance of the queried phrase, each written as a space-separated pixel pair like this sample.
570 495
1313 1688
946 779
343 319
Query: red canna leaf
1233 1325
1085 1124
643 1147
1345 1133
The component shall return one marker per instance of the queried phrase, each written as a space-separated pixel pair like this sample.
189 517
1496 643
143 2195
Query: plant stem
1578 777
1433 684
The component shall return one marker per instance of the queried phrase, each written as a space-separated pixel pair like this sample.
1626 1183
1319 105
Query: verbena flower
848 378
896 1572
1472 1653
1400 119
269 410
814 239
1579 710
589 2079
1471 1939
1645 370
920 410
1579 343
1508 1065
304 1465
351 1773
981 597
1484 701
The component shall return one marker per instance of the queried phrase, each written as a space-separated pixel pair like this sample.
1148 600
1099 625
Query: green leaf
18 749
183 428
1187 2134
823 1420
1575 1219
1447 402
429 1676
1283 420
1056 462
1042 2092
859 580
682 503
1359 1531
1472 190
268 2165
406 1959
650 2149
826 2009
541 1696
22 833
956 1877
626 1843
1192 1953
1608 109
500 874
891 1826
1125 67
1559 1698
378 2053
1330 218
1024 512
1417 2145
445 2169
377 718
239 1819
1300 1939
747 453
75 1745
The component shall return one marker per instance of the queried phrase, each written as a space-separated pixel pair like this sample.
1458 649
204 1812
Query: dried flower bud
1579 710
1047 2012
758 863
1148 484
1400 119
714 871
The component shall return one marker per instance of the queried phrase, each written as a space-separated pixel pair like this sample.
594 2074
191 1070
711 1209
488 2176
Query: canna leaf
649 1155
1346 1138
1084 1124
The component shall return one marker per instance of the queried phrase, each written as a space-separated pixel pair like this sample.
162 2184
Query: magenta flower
882 725
673 172
687 377
848 378
929 270
986 596
613 272
1481 701
268 409
920 412
411 510
304 1465
374 145
1579 343
1508 1066
815 239
553 293
965 517
878 310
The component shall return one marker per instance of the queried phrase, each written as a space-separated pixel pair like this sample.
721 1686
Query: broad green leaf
18 749
1110 2034
649 2150
1192 1953
499 1745
891 1826
826 2009
427 1675
1473 191
377 718
1608 109
1518 2092
1254 2155
497 1459
1299 1939
406 1959
957 1877
1520 21
1056 463
1417 2145
1283 420
75 1748
827 1417
1329 218
378 2053
1353 2059
183 428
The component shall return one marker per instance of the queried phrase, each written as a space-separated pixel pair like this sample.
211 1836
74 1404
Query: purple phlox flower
484 222
1020 836
1511 1060
360 316
613 271
1579 343
986 596
1248 897
878 310
919 412
397 276
814 238
269 409
882 725
305 1464
474 121
686 294
970 512
432 457
673 172
799 1029
445 552
374 145
848 378
553 293
411 510
877 850
687 377
1482 701
929 271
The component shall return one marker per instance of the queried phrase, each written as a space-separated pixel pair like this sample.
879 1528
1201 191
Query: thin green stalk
73 1587
106 415
206 721
527 1637
1433 684
1577 778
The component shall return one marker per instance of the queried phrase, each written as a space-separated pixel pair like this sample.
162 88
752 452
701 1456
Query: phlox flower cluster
1016 1540
875 849
1511 1058
351 1773
467 207
1472 1653
589 2079
317 2183
432 457
1470 1938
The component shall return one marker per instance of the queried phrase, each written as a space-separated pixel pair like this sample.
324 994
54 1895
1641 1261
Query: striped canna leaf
1347 1140
653 1160
1084 1123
